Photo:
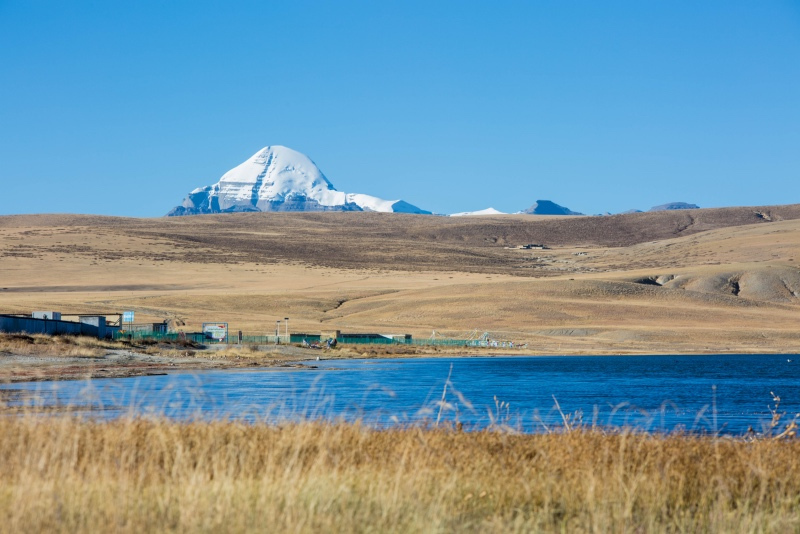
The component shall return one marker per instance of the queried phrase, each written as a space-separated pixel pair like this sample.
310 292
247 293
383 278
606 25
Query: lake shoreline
20 368
122 363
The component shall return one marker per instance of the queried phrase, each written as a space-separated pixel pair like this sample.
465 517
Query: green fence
158 336
198 337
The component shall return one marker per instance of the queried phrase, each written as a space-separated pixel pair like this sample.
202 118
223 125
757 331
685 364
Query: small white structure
47 315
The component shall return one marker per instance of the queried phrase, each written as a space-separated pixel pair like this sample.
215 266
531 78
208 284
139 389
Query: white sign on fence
218 331
127 317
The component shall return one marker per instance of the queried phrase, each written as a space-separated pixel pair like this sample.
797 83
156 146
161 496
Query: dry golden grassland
62 474
39 344
716 280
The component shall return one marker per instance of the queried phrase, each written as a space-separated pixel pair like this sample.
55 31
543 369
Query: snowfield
487 211
277 178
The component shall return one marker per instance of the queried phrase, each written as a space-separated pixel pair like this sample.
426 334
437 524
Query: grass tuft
135 475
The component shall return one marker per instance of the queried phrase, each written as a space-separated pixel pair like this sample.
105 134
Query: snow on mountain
487 211
277 178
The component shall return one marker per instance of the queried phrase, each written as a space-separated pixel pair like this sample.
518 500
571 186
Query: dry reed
47 345
64 474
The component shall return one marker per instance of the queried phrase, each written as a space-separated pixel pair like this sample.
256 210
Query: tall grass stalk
66 474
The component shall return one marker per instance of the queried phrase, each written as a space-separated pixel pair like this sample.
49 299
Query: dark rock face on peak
547 207
675 206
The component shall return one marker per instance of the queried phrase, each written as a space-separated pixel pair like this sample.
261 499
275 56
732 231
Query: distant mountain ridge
547 207
675 206
277 178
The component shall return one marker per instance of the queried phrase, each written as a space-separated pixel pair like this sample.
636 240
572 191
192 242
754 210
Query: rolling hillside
673 281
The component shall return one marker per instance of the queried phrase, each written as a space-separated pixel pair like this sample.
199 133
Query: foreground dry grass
65 474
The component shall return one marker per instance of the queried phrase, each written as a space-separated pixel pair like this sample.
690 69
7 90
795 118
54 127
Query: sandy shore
127 363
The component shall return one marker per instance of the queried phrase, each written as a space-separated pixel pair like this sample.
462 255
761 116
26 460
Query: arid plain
690 281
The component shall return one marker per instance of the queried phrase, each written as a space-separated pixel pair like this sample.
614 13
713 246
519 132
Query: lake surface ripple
727 394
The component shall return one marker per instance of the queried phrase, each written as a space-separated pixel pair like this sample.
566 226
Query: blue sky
121 108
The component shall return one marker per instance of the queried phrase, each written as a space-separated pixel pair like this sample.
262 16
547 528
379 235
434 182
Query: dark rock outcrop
547 207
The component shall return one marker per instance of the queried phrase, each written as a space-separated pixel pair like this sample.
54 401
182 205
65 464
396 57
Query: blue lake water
726 393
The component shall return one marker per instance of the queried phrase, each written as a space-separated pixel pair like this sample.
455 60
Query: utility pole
287 329
277 328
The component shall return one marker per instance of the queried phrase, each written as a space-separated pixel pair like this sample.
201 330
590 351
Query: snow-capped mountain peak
277 178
